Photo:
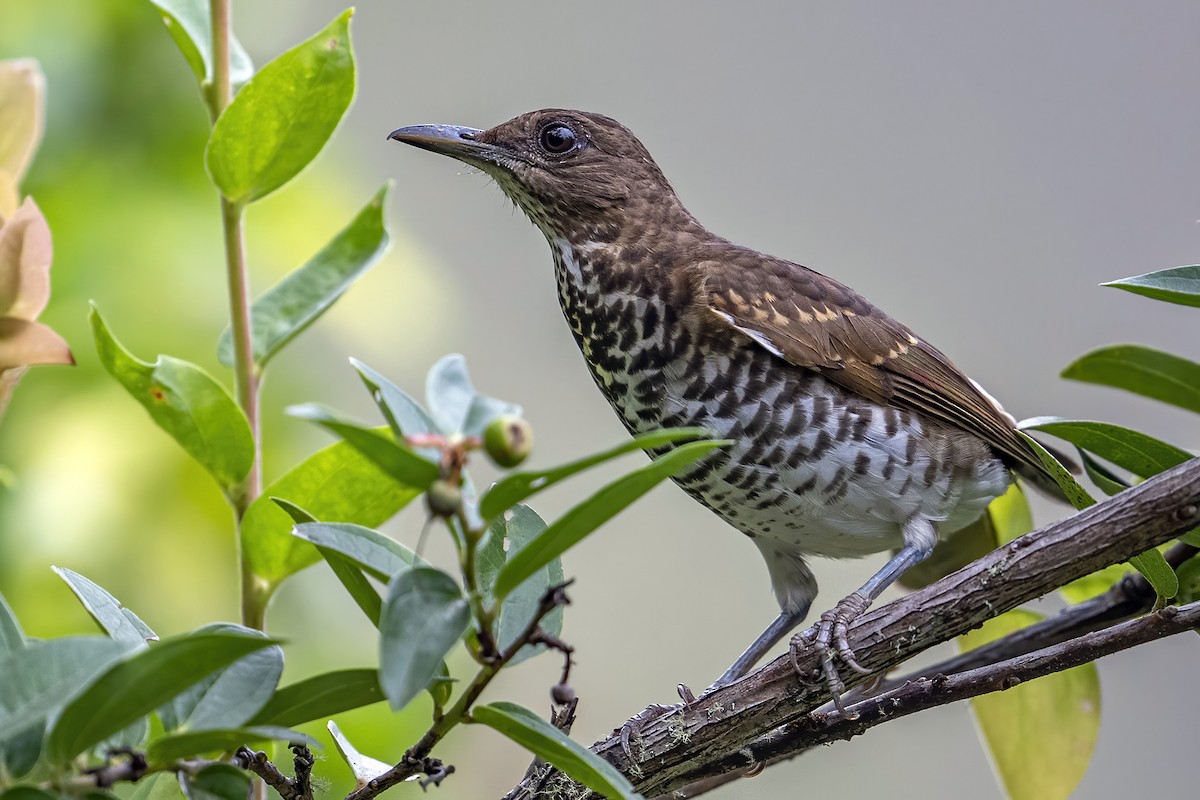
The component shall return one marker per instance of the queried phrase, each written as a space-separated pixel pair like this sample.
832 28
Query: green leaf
519 486
393 458
1075 493
186 402
1010 515
1192 537
335 483
1157 572
194 743
404 415
1041 734
572 527
1142 370
40 677
283 116
1140 454
424 615
216 782
455 405
321 696
517 528
552 745
28 793
116 620
230 697
1102 476
190 25
1176 285
381 556
159 786
303 296
138 684
1125 448
1189 581
11 636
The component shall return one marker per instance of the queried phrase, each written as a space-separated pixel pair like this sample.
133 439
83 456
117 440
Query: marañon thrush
851 434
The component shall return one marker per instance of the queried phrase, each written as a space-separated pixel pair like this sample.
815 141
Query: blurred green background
974 168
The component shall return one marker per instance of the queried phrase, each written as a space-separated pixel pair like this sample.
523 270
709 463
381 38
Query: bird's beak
449 140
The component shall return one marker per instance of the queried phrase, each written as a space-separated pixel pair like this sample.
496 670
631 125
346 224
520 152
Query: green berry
508 440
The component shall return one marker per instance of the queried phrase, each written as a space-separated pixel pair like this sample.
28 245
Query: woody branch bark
694 744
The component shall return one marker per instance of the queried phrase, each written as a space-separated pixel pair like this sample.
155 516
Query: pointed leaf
1100 475
554 747
159 786
381 556
23 108
1040 734
395 459
335 483
193 743
517 528
216 782
11 636
302 297
105 609
448 393
39 678
424 615
1154 567
283 116
138 684
1075 493
569 529
1141 370
519 486
404 415
1176 285
364 768
321 696
1140 454
230 697
190 25
186 402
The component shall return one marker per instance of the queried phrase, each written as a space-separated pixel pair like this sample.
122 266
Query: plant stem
246 375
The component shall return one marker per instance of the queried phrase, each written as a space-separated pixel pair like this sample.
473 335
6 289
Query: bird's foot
828 637
631 731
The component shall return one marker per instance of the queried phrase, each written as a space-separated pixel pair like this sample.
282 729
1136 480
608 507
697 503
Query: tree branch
689 744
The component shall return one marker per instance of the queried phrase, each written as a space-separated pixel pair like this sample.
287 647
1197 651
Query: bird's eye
556 138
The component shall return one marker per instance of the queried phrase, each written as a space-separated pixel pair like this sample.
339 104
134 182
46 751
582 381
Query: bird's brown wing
814 322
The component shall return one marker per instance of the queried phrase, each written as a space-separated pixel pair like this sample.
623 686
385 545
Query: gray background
975 168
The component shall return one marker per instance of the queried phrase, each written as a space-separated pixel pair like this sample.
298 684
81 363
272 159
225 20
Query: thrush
850 434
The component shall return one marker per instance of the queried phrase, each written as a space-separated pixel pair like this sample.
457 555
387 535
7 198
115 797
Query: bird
849 434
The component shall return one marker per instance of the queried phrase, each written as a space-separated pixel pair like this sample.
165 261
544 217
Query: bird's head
567 170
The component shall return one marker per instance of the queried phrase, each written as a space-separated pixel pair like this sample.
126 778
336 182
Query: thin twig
415 760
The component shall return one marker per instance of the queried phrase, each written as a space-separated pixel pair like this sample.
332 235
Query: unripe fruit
443 498
508 440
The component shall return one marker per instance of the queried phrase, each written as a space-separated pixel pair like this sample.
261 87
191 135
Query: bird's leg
784 624
829 634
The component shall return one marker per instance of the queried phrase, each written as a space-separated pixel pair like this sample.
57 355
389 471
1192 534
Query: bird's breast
810 464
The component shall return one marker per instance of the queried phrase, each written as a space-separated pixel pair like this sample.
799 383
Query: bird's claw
829 637
632 729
